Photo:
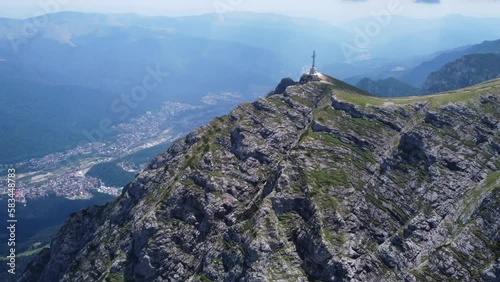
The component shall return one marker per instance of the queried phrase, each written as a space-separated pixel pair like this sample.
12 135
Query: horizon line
201 14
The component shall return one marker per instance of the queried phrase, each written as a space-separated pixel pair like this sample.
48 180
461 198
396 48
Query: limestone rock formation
320 183
283 85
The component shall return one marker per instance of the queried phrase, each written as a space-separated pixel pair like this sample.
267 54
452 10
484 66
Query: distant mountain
115 57
108 50
108 56
466 71
419 74
279 43
390 87
412 37
68 76
39 119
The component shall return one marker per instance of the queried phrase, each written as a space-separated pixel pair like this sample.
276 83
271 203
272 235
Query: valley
65 173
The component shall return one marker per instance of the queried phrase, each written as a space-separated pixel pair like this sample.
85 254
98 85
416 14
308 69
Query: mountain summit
320 183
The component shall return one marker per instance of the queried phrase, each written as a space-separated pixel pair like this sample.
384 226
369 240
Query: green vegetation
203 278
492 180
303 101
277 101
114 277
187 182
288 221
306 134
340 85
327 138
326 178
389 207
466 94
423 274
39 221
27 253
191 161
323 183
334 238
473 69
47 118
490 184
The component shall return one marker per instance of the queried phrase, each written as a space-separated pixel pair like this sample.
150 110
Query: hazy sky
331 10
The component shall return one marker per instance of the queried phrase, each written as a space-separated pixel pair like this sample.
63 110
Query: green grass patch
436 100
288 221
203 278
389 207
27 253
191 162
335 141
277 101
187 182
492 180
336 239
327 178
303 101
114 277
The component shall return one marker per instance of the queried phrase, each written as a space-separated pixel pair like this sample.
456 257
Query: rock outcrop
305 186
283 85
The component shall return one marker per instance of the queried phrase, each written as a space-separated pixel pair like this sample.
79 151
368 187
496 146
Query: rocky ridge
320 183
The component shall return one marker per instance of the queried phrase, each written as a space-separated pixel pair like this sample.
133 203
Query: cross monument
313 69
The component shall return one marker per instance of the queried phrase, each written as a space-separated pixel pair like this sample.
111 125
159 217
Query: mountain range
419 74
96 57
466 71
476 66
389 87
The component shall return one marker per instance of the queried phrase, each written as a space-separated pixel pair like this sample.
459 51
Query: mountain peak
321 182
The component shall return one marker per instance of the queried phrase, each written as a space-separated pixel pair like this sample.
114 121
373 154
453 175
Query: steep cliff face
317 184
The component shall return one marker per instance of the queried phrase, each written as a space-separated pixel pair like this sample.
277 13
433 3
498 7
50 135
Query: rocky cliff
317 184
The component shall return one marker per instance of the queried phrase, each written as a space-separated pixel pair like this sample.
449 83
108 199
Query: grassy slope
360 98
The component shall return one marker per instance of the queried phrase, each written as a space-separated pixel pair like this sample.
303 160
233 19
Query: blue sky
330 10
